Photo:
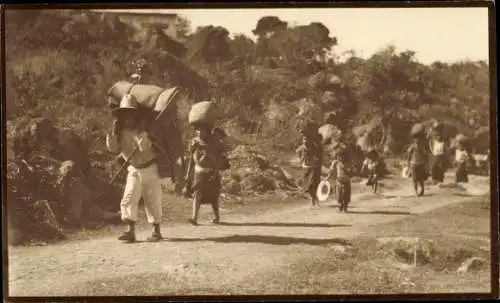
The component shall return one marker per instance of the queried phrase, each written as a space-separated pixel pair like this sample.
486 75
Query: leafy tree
210 44
394 87
296 45
268 25
156 40
243 46
183 28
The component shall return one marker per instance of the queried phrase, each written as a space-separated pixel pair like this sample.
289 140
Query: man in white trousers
142 179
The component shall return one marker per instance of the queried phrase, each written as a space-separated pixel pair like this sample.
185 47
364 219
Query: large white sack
145 94
204 112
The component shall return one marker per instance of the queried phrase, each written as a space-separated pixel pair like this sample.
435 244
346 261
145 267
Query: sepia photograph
202 152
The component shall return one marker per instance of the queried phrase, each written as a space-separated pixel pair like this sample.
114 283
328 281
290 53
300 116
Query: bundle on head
204 113
418 130
219 133
462 141
309 128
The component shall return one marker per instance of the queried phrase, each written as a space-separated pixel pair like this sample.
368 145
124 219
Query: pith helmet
127 103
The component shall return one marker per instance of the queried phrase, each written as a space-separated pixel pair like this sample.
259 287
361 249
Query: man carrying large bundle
129 138
165 133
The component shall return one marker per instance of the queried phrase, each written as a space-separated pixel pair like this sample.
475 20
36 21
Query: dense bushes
68 65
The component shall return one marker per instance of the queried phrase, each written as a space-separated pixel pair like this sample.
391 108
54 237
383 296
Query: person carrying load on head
311 158
418 158
339 170
438 148
143 179
206 159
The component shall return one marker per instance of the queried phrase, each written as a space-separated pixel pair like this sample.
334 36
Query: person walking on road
128 133
311 158
339 170
438 148
417 162
462 158
373 164
206 160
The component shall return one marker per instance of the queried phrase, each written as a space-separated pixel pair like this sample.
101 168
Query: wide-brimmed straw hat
128 103
323 191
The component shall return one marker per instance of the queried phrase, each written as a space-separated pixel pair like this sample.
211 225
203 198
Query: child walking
417 162
142 178
206 159
311 158
341 174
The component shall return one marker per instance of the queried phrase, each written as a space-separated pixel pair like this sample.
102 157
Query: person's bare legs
215 208
422 188
415 186
314 198
196 210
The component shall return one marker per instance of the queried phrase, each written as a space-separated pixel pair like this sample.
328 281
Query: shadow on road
380 212
283 224
467 195
390 196
274 240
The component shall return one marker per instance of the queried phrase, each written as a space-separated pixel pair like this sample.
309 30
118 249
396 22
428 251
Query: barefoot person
417 162
311 158
339 170
206 159
142 178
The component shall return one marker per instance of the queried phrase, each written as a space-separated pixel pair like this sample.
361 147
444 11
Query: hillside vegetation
60 64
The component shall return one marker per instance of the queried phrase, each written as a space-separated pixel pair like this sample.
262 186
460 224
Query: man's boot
129 235
156 234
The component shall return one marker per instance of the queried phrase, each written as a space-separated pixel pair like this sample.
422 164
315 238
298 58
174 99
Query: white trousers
144 183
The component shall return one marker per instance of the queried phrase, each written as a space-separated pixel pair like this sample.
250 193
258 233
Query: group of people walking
130 139
427 156
311 155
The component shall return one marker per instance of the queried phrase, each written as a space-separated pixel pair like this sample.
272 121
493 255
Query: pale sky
445 34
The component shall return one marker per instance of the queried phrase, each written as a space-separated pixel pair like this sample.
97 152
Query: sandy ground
204 258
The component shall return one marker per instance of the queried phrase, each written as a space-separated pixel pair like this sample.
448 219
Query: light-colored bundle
329 132
418 129
145 94
204 112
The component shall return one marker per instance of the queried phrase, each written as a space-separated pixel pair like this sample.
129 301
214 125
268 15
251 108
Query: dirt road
207 259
